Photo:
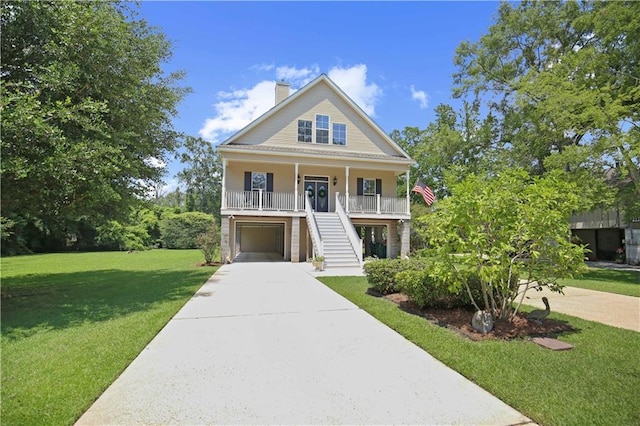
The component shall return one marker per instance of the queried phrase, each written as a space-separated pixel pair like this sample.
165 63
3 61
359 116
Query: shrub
425 291
179 231
209 243
381 274
115 236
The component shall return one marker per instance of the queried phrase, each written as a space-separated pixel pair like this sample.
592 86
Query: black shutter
360 186
379 186
269 182
247 181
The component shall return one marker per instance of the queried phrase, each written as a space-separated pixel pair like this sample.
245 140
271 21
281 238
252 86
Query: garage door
261 238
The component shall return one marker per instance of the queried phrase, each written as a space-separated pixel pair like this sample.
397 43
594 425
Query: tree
509 230
562 79
459 142
202 176
209 243
180 231
86 111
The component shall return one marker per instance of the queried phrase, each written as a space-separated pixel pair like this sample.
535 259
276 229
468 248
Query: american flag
425 191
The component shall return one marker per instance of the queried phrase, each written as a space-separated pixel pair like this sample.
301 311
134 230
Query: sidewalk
266 343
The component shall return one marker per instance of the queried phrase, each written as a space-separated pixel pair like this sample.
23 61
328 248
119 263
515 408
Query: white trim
328 129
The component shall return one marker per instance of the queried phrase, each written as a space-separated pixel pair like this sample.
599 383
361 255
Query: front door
318 189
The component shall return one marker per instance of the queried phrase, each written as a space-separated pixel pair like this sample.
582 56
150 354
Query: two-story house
314 176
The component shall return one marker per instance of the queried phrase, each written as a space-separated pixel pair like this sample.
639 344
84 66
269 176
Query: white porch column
224 183
295 190
346 189
408 204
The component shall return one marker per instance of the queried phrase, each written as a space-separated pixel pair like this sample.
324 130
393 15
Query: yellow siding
281 129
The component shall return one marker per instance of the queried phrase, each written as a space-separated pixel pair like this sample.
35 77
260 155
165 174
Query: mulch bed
459 320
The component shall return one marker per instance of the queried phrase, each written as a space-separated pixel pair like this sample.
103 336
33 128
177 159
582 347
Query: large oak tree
563 78
86 111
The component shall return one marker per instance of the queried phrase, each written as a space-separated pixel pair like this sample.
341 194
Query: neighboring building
605 231
314 176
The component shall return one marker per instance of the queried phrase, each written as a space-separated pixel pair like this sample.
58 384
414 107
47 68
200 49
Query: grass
609 280
71 323
597 382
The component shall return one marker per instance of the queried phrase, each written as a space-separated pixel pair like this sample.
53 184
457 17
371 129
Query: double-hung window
305 131
339 134
322 129
369 186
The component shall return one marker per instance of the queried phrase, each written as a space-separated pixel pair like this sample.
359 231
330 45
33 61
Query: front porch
235 202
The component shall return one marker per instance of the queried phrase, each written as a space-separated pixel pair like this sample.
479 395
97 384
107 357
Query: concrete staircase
338 251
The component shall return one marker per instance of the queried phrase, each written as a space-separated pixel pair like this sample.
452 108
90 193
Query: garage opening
259 242
374 240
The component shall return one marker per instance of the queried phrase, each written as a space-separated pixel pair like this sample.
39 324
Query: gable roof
322 78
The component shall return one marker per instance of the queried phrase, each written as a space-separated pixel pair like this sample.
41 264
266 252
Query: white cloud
353 81
420 96
155 163
235 109
297 76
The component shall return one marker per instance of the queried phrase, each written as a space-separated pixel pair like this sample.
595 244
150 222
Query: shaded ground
459 320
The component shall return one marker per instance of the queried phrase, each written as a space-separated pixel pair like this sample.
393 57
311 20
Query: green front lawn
71 323
609 280
597 382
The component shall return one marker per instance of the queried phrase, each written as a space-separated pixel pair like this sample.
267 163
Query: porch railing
263 200
374 204
286 201
318 245
354 238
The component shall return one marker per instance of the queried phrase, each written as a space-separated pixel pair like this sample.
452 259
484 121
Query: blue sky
395 59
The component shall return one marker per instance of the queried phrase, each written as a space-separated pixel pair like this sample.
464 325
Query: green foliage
561 80
421 289
180 231
456 141
202 176
86 114
209 243
504 229
140 231
427 289
381 273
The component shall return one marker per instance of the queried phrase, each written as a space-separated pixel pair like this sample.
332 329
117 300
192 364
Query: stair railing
316 238
354 238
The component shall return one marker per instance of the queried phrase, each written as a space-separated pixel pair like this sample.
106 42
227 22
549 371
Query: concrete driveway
612 309
267 343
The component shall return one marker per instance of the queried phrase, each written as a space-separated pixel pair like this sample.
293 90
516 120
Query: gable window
339 134
305 131
322 128
368 186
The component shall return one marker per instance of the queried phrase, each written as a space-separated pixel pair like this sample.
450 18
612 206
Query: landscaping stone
553 344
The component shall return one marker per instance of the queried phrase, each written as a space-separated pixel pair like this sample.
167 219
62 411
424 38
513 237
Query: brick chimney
282 91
